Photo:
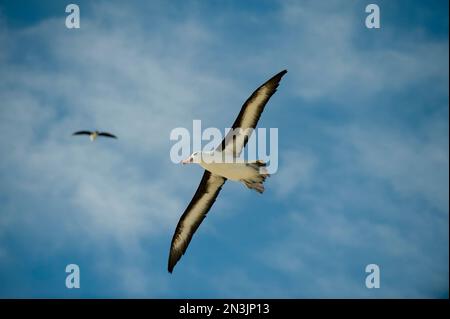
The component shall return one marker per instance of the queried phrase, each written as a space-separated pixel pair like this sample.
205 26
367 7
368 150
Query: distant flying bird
251 174
93 135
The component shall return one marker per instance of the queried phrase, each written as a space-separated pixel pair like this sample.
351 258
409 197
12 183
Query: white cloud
326 62
416 166
296 170
102 77
312 251
114 74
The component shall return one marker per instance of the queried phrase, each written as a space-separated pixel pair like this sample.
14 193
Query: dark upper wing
249 115
82 133
106 134
194 214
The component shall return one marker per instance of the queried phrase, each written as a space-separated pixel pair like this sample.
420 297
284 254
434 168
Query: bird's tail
257 182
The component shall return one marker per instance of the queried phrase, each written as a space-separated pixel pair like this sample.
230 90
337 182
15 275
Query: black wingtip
278 76
171 264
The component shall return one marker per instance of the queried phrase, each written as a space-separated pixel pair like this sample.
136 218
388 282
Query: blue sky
363 144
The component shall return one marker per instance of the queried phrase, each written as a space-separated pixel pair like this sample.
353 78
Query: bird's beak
187 160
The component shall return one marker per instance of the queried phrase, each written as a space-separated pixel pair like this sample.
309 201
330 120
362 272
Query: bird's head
193 158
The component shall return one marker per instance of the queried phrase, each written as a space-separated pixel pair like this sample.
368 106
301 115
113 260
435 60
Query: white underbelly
232 171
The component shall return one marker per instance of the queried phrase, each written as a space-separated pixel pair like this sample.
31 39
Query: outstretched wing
107 134
194 214
248 117
82 133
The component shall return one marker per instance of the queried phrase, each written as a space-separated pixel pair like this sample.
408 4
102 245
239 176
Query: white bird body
93 136
231 171
233 168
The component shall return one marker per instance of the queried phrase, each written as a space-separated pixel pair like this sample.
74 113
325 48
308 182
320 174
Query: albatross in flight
251 174
93 135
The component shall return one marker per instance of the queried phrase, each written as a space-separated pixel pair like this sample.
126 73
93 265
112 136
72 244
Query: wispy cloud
296 171
363 174
122 191
336 58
